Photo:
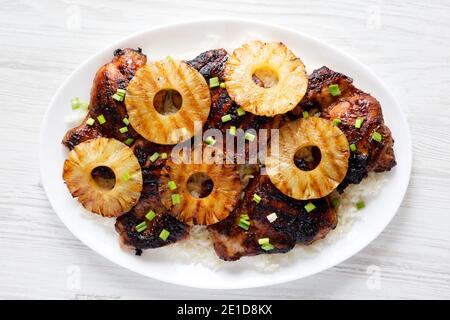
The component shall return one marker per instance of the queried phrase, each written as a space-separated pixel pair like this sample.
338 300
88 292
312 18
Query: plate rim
161 27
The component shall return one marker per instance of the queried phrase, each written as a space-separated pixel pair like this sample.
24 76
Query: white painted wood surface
407 43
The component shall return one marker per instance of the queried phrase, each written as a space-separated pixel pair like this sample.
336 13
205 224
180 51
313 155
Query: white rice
198 248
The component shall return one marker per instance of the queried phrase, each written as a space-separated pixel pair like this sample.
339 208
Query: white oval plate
185 41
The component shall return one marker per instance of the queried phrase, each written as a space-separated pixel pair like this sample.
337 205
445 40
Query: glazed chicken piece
149 200
293 225
110 77
350 104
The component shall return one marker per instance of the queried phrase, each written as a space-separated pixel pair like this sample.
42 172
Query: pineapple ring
264 57
110 153
216 206
329 173
163 75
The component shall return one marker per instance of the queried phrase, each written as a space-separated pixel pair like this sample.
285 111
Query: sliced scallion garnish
176 199
309 207
233 130
214 82
334 90
141 227
154 157
377 137
172 185
360 204
101 119
240 112
359 122
248 136
164 234
90 122
256 198
226 118
150 215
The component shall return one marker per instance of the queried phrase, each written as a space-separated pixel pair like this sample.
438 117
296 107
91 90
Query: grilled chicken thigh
293 225
110 77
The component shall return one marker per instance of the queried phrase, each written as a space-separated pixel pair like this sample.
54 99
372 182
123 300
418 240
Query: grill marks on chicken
110 77
351 104
293 225
149 200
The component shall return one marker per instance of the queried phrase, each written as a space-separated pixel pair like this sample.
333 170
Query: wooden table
407 43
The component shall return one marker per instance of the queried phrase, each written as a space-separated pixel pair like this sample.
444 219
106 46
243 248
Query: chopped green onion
240 112
272 217
214 82
163 156
233 130
121 92
353 147
210 141
126 176
223 85
263 241
150 215
164 234
129 141
244 222
377 137
359 122
243 225
267 247
123 129
245 216
126 121
336 122
117 97
172 185
90 122
248 136
305 114
360 205
141 227
334 90
309 207
101 119
176 199
169 58
335 202
154 157
256 198
75 102
226 118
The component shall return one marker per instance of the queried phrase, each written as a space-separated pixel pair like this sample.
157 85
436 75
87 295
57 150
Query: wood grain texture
407 43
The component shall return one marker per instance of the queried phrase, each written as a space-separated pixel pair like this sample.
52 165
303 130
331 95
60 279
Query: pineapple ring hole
167 101
200 185
265 77
307 158
104 177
